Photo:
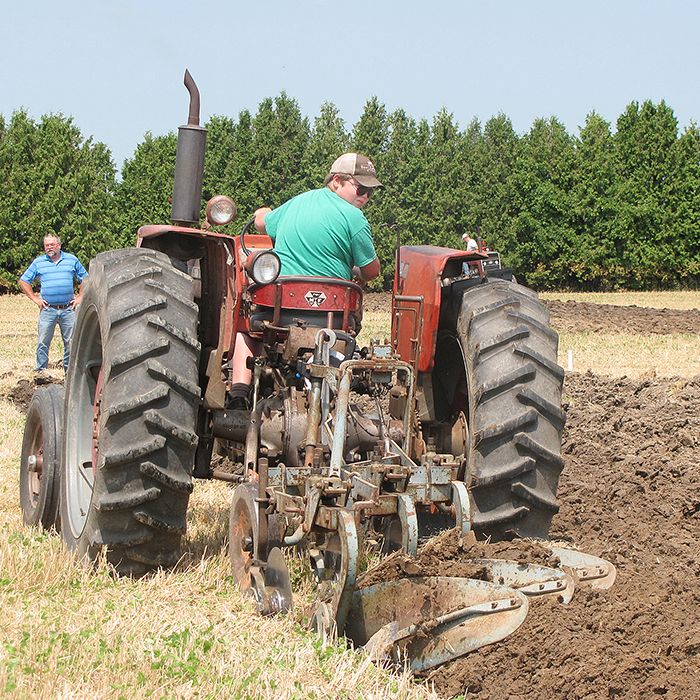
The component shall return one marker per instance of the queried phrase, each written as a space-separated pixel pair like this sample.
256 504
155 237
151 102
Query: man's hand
78 297
260 219
32 295
357 277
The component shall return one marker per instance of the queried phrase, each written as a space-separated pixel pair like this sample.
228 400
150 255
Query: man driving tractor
320 233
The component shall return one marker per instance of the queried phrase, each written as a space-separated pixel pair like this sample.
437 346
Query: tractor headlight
221 210
263 266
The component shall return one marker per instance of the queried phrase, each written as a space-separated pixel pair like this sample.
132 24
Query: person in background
319 233
471 245
57 272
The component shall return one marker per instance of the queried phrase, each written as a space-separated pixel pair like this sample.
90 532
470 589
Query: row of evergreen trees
598 210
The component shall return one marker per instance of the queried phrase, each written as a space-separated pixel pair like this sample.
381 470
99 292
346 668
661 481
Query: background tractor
455 421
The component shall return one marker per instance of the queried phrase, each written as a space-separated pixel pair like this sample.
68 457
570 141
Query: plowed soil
630 492
575 316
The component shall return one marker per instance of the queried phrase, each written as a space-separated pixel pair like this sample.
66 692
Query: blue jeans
48 318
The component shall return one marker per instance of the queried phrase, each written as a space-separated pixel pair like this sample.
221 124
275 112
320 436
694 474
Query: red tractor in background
457 418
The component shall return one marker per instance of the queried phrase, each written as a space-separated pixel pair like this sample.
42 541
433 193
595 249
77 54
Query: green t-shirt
319 234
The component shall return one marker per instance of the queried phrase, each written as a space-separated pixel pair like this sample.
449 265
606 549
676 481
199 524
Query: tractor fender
417 299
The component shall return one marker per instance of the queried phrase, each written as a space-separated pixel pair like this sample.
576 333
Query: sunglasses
361 190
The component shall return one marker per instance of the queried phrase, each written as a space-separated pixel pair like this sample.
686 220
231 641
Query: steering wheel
246 229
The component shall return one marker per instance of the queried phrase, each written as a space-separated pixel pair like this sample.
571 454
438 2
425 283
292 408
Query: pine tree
592 263
280 138
644 149
496 153
52 181
238 180
393 208
544 238
220 152
145 192
680 249
328 140
370 135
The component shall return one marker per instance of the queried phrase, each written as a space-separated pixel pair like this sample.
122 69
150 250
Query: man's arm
78 297
368 272
31 294
80 274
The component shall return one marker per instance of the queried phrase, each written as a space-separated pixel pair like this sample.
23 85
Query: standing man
57 272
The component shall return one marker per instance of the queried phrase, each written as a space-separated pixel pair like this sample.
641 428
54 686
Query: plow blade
530 579
428 621
596 572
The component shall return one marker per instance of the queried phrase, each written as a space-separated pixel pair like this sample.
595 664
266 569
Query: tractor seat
322 302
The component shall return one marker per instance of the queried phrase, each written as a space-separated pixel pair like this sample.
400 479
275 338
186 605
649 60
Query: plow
454 422
368 485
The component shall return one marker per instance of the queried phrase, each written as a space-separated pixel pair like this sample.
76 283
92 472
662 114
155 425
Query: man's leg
47 323
66 322
241 376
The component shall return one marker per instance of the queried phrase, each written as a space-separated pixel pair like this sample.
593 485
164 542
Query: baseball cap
359 166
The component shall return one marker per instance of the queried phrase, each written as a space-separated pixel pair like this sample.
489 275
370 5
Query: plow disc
431 620
596 572
425 621
530 579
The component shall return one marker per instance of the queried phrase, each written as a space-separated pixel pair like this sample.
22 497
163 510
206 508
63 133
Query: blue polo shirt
56 279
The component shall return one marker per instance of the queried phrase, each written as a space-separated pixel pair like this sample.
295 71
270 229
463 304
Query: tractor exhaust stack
189 163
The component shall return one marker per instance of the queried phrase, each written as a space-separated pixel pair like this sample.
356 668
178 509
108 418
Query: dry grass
632 355
657 300
68 631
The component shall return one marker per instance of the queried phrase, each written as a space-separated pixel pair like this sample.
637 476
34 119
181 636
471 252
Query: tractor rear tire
41 457
498 366
132 398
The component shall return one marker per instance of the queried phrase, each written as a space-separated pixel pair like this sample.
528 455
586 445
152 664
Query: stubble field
630 492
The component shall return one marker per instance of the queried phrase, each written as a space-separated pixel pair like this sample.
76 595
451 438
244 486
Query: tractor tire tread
187 387
129 312
125 499
127 359
161 476
515 417
138 403
161 523
148 414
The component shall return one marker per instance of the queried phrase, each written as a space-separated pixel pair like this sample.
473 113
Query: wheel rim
35 465
242 539
450 377
82 422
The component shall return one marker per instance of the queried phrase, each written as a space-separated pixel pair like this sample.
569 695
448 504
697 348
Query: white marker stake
570 360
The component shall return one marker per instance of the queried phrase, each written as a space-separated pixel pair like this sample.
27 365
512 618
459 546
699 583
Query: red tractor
458 417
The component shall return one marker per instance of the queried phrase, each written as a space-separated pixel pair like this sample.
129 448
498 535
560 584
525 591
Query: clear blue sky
116 67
